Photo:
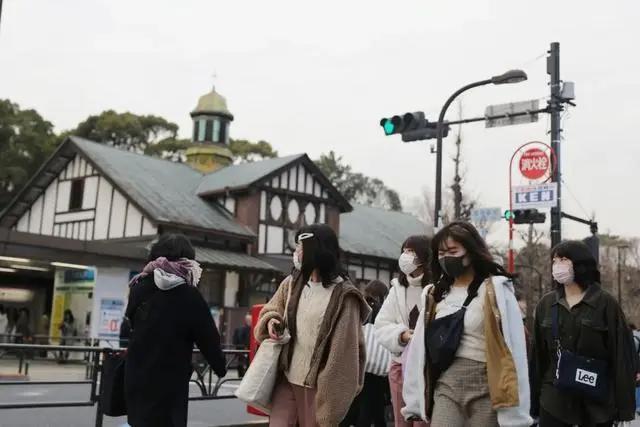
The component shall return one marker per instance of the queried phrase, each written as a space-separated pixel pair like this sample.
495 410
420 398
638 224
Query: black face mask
453 266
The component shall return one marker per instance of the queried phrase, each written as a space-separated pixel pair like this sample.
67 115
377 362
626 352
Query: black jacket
241 337
595 327
165 325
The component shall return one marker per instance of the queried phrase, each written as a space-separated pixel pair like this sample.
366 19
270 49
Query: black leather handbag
585 376
112 384
442 337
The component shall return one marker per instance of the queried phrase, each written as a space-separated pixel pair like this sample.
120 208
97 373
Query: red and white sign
534 163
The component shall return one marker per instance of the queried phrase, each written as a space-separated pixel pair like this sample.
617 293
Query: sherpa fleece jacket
337 364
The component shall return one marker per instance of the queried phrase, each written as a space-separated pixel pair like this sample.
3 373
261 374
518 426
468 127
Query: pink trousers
292 406
395 383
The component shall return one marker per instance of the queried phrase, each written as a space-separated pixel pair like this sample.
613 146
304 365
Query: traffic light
528 216
412 126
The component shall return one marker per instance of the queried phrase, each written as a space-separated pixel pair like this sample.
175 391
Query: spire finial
214 77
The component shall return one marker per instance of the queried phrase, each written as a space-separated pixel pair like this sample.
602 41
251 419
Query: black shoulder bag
112 373
442 337
112 383
578 374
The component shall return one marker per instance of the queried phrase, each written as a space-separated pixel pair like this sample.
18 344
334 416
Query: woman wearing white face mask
399 313
592 382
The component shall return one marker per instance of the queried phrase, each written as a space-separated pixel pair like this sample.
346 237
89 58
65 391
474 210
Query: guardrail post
20 362
95 394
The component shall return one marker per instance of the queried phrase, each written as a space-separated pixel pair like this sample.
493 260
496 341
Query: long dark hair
585 266
477 250
375 293
321 252
172 247
420 245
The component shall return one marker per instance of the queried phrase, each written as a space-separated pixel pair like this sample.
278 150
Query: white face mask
562 273
406 262
296 261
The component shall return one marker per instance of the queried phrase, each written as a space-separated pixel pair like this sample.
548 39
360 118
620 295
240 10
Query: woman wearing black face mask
469 340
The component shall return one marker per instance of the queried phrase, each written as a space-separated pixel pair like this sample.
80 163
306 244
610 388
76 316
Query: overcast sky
318 76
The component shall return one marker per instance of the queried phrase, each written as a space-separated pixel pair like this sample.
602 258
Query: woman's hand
275 330
406 336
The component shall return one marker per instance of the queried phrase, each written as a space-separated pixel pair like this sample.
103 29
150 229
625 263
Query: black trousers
368 407
548 420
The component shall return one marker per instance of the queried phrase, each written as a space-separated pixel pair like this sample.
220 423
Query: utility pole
555 106
529 290
620 249
457 179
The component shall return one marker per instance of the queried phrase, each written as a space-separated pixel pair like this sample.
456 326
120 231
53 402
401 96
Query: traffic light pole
555 107
440 132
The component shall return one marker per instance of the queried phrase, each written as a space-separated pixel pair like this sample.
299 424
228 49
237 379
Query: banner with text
535 196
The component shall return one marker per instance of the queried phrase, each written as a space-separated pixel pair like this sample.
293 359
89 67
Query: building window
77 192
201 130
196 127
224 134
216 131
208 130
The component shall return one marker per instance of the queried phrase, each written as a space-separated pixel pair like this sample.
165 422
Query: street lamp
511 76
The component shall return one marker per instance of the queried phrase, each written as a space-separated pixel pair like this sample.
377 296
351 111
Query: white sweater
413 390
472 343
393 318
312 306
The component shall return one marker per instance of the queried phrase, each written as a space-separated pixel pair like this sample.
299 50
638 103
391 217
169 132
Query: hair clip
304 236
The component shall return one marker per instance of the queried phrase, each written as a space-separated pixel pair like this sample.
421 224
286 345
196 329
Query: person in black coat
167 315
241 341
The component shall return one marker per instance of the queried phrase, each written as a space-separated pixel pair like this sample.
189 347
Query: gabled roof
240 177
377 232
164 190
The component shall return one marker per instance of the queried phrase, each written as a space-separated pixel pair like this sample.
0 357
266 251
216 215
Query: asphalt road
201 413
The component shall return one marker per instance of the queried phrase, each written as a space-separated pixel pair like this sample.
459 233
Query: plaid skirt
461 397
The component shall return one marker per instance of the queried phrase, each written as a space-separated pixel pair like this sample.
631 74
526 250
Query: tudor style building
241 218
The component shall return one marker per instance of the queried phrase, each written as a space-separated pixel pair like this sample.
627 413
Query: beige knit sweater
337 365
311 310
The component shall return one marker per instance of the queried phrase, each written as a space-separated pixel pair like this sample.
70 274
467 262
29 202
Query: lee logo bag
574 373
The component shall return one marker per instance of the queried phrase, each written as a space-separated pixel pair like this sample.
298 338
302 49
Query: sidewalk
42 370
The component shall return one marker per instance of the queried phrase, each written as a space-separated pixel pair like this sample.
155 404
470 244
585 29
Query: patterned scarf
187 269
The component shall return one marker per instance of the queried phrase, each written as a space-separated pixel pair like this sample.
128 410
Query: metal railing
204 377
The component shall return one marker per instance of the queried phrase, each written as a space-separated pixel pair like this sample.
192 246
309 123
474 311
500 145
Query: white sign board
507 110
535 196
111 312
485 215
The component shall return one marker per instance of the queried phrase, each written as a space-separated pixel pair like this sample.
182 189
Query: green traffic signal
388 126
508 215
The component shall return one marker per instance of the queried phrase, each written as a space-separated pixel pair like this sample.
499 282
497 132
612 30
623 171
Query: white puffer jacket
393 320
